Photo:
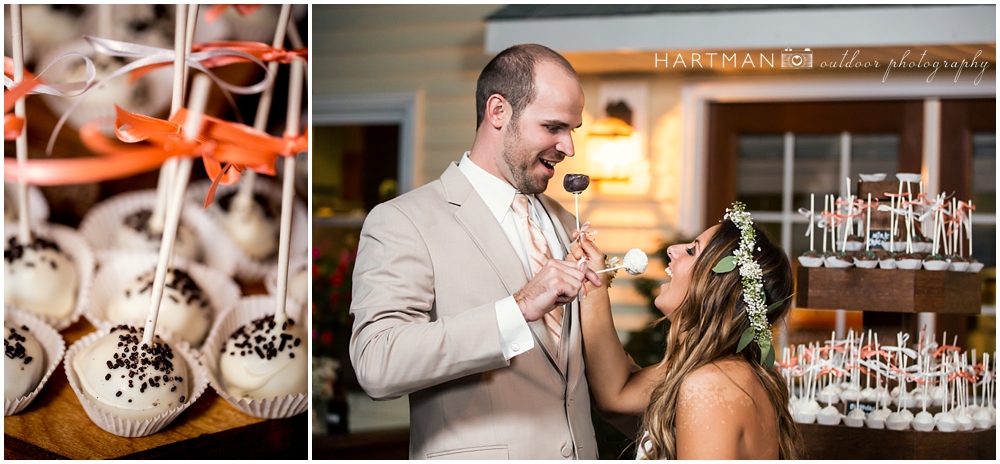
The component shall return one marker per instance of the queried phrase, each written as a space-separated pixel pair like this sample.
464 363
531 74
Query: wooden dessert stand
904 292
843 442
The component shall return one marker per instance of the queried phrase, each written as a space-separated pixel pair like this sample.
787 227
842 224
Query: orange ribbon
234 147
943 348
12 125
213 13
261 51
220 143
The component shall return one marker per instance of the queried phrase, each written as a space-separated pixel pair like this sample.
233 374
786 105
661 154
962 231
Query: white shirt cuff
515 335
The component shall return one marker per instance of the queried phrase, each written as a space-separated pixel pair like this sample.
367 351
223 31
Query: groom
462 299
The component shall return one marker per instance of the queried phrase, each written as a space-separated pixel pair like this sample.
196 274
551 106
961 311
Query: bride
716 394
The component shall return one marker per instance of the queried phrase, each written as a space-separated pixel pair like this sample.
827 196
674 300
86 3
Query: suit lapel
568 340
483 229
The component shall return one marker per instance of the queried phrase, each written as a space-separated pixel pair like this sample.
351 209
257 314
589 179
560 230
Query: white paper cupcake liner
121 268
73 245
246 311
295 266
101 223
52 343
38 206
250 269
132 428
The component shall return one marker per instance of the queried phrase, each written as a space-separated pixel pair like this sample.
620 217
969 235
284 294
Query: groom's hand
556 283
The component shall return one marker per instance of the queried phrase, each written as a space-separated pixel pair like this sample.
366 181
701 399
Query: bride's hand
587 248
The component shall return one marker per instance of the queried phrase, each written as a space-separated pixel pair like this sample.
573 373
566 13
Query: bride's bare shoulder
722 386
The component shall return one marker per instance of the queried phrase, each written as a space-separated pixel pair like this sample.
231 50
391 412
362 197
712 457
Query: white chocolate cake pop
876 419
39 277
24 365
261 361
899 420
132 381
184 310
635 262
134 234
923 422
251 225
855 418
829 415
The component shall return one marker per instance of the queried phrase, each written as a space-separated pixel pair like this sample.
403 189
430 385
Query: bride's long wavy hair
713 316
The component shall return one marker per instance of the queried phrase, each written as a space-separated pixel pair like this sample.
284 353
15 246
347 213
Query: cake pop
185 309
24 364
261 361
635 263
575 184
251 224
125 377
39 277
135 234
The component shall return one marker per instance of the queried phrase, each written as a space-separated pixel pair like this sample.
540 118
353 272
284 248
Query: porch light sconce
612 147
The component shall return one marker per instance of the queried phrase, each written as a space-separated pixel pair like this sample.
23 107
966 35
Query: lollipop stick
288 187
192 22
576 202
21 143
244 196
105 21
192 127
167 172
970 229
610 269
812 212
868 223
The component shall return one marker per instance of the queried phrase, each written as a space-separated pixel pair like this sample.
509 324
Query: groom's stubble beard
519 161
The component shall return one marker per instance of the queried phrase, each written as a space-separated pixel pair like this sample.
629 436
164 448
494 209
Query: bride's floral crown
753 284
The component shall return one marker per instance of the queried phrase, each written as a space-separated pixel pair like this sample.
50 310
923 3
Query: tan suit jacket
431 264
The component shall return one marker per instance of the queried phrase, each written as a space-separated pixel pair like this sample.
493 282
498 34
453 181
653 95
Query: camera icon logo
797 60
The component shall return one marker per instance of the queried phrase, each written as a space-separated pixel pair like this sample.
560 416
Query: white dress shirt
515 335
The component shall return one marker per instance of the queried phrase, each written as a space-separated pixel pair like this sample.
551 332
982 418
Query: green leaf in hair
768 356
725 265
745 339
776 304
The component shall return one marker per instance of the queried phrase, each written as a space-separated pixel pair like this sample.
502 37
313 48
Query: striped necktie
538 254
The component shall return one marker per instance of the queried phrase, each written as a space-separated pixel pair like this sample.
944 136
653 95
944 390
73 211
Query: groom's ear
498 111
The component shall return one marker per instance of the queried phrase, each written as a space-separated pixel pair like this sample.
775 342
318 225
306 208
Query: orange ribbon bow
214 13
225 147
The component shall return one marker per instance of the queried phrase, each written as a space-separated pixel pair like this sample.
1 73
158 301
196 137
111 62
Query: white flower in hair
753 284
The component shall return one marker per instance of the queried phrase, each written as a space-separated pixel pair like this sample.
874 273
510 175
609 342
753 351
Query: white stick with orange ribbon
167 172
21 143
192 127
244 196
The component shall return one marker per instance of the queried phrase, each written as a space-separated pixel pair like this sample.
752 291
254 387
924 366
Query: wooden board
56 426
889 290
843 442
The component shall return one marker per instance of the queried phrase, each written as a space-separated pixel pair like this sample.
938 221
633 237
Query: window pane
759 174
800 243
873 153
817 169
984 172
773 230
